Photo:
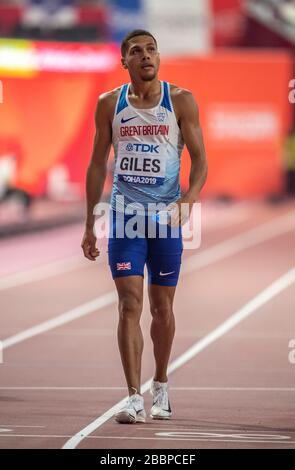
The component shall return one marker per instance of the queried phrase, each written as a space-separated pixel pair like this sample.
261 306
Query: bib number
141 163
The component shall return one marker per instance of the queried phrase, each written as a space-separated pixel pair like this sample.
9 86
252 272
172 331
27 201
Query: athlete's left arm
189 123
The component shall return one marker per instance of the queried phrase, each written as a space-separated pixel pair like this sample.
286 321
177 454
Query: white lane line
34 435
208 430
222 250
86 389
249 238
235 389
158 438
238 436
183 389
58 267
230 216
249 308
78 312
19 426
254 236
41 272
220 219
275 441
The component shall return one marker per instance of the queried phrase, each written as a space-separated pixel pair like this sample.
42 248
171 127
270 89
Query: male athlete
147 121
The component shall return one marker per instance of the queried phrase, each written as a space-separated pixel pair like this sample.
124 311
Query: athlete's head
140 55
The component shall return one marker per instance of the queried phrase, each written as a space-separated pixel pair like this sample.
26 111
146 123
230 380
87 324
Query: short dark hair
133 34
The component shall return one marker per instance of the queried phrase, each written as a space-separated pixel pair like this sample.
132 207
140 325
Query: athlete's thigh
161 298
130 293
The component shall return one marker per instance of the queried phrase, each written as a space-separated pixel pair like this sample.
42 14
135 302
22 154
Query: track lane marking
233 216
233 245
171 388
239 442
78 312
58 267
39 273
249 308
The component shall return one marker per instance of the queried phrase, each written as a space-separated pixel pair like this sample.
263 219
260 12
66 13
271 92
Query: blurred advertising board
50 93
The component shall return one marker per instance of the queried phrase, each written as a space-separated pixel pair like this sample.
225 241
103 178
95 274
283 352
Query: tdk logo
143 148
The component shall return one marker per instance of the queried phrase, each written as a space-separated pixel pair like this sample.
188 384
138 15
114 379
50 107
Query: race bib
141 163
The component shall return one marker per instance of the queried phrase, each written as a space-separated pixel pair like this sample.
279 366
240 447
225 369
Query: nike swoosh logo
166 274
126 120
169 409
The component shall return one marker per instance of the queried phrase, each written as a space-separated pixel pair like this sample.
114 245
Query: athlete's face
142 58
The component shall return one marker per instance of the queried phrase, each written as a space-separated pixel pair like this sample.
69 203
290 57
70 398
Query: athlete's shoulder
183 101
107 102
109 97
181 94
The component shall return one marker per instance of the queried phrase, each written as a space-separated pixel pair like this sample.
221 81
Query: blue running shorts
136 241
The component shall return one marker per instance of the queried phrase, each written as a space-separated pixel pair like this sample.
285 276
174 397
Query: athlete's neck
145 90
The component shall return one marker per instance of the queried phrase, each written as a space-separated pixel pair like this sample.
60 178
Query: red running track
232 382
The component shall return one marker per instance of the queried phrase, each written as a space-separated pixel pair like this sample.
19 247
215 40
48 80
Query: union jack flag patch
123 266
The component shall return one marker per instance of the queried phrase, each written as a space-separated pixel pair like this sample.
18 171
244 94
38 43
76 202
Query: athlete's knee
162 313
130 306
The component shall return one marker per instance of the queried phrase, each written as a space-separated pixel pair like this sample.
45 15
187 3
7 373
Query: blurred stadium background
57 56
58 375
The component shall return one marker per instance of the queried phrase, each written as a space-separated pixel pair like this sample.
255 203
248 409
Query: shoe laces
136 401
161 397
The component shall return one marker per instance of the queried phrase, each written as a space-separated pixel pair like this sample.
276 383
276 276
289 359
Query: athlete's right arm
97 171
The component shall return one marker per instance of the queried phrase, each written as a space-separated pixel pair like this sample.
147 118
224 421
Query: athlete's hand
89 245
180 211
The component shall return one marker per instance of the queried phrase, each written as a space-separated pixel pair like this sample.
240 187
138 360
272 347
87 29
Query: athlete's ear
123 63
